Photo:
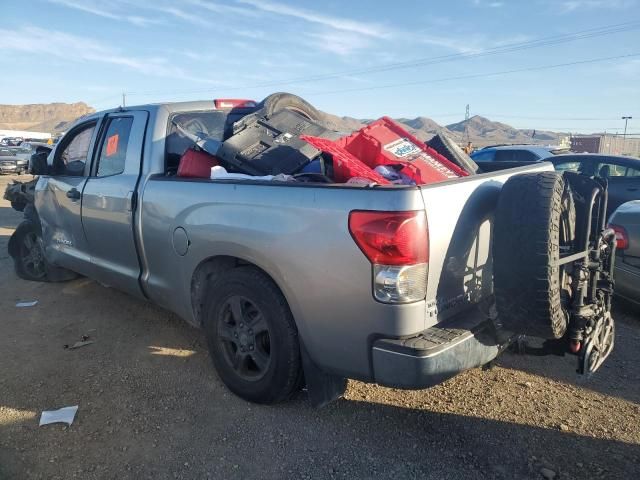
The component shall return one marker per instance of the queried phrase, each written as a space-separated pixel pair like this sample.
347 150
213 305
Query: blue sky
342 56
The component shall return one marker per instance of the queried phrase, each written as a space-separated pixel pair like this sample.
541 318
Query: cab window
113 152
72 159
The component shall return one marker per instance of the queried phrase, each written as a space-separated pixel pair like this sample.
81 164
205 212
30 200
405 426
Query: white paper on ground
62 415
27 304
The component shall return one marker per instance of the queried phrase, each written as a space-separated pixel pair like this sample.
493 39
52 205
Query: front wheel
27 251
252 337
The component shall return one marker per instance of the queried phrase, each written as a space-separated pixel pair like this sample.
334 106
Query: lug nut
250 332
250 347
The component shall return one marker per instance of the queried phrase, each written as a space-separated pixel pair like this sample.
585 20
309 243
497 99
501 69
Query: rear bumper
435 355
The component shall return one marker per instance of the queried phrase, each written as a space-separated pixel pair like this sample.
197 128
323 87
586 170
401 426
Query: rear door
110 200
58 199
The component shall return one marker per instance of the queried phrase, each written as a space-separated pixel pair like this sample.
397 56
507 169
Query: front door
109 201
58 199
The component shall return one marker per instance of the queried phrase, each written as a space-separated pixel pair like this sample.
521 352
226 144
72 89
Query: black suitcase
272 145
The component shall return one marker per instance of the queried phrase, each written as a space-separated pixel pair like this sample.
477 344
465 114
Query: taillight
223 103
622 239
397 245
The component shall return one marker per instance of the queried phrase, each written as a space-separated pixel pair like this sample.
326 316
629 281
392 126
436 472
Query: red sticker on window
112 145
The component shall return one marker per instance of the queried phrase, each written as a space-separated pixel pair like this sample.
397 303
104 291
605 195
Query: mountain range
56 117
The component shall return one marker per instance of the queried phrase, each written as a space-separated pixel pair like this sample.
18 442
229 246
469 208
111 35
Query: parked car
11 163
511 153
318 281
626 223
623 173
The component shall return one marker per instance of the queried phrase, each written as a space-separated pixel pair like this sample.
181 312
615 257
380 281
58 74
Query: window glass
515 156
568 166
73 158
113 153
486 156
633 172
207 124
611 170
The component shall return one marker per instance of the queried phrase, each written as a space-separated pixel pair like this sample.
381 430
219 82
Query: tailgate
459 218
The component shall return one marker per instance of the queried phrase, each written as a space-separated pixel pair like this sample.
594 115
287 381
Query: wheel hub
244 335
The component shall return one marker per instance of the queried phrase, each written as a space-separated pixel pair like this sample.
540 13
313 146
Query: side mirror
38 164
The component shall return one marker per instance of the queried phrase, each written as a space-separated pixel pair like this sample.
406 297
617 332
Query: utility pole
466 125
123 99
624 135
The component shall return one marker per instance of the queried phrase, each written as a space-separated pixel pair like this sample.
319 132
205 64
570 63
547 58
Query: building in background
610 144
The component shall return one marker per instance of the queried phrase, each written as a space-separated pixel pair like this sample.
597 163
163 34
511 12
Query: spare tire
534 221
287 101
272 104
449 149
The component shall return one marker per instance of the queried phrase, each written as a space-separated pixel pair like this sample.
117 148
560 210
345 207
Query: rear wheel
252 337
534 225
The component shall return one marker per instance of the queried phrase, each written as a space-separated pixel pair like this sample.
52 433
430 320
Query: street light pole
624 135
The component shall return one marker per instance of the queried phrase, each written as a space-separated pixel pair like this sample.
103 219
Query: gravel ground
151 405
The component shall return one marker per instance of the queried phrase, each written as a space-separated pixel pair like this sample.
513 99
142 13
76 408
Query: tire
287 101
272 104
26 248
534 220
449 149
252 337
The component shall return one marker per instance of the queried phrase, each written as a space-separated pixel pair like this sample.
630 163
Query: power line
478 75
512 47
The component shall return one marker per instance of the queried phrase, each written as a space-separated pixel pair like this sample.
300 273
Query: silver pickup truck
300 283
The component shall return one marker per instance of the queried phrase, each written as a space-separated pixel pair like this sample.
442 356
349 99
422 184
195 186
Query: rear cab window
203 124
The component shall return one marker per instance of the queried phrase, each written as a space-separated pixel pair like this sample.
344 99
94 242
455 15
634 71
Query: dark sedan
623 173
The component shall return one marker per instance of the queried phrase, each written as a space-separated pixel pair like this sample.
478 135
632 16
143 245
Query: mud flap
322 388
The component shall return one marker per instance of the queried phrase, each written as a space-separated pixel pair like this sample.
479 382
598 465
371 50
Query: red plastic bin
384 142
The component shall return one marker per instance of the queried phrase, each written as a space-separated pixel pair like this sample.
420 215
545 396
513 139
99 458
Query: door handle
632 189
73 194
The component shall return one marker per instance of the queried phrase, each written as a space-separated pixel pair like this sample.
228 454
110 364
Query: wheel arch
210 268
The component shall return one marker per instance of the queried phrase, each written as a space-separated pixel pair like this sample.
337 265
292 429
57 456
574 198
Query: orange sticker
112 145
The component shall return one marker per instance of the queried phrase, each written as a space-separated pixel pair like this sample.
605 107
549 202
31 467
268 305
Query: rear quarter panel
299 236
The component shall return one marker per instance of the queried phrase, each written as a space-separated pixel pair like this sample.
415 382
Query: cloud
73 48
93 9
576 5
338 42
336 23
484 3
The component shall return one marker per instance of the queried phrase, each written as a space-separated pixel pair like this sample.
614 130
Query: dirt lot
151 405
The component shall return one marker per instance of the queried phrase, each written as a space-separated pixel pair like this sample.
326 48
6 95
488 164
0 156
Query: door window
615 170
73 158
113 152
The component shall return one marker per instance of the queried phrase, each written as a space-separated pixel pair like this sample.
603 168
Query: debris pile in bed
283 139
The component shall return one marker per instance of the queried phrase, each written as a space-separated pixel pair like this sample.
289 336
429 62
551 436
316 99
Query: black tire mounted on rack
449 149
534 221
